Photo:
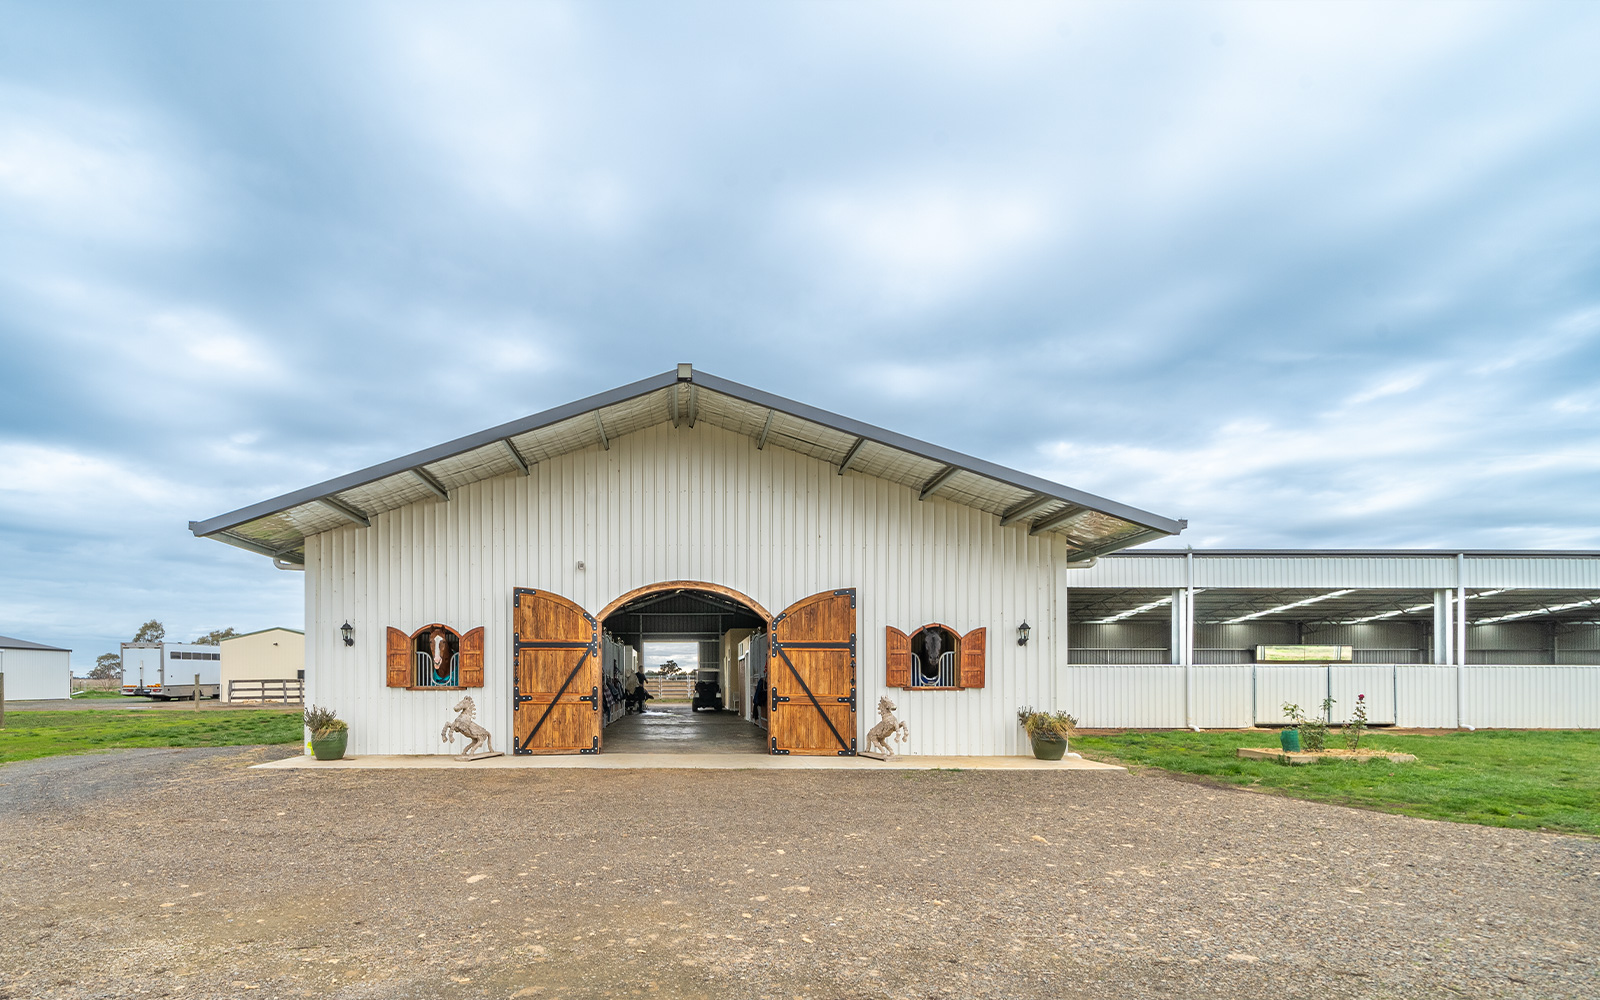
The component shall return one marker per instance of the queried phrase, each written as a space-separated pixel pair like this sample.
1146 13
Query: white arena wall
36 674
1424 697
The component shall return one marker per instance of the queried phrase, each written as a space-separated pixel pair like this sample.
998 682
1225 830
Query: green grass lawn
1546 779
45 734
113 693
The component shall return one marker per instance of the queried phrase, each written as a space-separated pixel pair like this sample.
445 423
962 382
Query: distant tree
107 666
670 669
150 631
215 637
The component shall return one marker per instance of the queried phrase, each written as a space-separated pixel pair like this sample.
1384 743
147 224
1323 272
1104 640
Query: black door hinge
593 697
775 750
593 747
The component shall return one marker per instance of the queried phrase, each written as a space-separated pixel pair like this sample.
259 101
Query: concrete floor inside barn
677 729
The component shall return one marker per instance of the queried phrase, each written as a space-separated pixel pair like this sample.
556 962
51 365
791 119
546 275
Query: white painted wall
36 674
681 503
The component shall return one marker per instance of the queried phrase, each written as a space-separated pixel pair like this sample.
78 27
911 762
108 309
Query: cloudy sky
1306 275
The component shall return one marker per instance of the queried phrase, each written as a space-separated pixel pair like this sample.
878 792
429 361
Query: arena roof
1090 525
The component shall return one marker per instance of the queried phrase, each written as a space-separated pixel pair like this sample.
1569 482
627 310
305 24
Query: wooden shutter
555 693
470 659
897 656
972 658
399 658
811 676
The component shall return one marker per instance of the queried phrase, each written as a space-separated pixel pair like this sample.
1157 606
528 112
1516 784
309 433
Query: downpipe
296 567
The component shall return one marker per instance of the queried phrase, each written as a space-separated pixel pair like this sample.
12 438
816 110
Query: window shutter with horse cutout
470 659
398 658
972 658
897 658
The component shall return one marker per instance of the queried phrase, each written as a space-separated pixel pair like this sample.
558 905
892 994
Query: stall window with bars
944 676
425 676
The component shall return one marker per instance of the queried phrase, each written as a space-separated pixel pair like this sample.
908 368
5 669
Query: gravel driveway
183 873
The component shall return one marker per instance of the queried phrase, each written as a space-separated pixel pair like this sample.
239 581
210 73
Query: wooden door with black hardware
811 676
555 693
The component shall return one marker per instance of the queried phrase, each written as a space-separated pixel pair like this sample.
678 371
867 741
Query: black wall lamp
349 634
1022 633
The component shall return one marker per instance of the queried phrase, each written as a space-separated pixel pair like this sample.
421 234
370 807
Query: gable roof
6 642
1091 525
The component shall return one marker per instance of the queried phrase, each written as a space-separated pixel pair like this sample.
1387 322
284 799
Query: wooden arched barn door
811 676
556 679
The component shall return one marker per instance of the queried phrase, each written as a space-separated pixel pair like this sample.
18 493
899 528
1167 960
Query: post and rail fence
288 691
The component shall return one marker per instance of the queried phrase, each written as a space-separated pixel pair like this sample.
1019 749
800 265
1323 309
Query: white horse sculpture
888 728
478 738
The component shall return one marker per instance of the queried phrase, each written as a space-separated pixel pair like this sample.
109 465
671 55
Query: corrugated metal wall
680 504
36 674
1423 697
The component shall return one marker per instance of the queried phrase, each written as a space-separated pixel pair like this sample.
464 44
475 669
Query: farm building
821 564
266 665
34 671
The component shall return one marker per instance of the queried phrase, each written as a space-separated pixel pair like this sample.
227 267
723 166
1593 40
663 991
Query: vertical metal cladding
670 503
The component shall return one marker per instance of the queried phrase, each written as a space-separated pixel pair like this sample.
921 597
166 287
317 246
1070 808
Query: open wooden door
555 694
811 676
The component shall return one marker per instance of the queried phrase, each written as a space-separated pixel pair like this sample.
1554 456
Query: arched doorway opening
702 650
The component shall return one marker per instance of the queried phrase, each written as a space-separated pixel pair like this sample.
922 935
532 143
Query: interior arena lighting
1286 607
1552 609
1141 609
1414 610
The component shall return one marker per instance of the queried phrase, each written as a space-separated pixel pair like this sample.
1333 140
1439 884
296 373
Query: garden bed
1316 756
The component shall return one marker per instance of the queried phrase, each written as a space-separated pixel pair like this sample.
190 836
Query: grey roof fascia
934 453
372 474
7 642
260 631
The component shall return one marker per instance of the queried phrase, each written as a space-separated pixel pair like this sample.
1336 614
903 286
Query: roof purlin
1019 480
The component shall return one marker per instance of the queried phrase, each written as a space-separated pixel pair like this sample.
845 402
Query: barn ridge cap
1091 525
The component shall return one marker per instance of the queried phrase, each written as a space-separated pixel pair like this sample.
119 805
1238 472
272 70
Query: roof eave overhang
218 527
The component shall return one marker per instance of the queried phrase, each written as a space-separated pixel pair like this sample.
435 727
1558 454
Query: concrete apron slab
697 761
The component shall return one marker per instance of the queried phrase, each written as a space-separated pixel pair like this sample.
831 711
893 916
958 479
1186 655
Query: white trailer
167 670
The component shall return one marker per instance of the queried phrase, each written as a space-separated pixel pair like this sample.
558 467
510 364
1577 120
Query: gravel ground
181 873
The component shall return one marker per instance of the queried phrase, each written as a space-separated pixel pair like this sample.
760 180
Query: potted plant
1048 731
329 733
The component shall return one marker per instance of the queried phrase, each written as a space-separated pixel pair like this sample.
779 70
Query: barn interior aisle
678 729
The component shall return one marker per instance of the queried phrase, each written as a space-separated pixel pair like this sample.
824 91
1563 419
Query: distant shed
34 671
272 655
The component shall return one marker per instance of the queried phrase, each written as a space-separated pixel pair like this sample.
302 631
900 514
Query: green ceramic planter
1045 749
330 746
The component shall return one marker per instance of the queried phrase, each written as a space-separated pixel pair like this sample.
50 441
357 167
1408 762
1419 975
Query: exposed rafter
694 404
766 429
346 511
605 442
1071 510
850 455
1026 507
287 555
431 483
516 456
673 408
1096 551
939 479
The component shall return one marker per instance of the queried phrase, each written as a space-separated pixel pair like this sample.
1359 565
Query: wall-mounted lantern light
1022 633
349 634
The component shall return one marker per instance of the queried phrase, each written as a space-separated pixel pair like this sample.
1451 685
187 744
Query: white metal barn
499 564
34 671
824 563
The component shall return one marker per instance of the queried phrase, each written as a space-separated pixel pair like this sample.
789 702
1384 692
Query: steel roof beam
1071 510
605 442
345 511
287 555
431 483
1096 551
939 479
673 407
766 429
516 456
850 455
1023 509
694 404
